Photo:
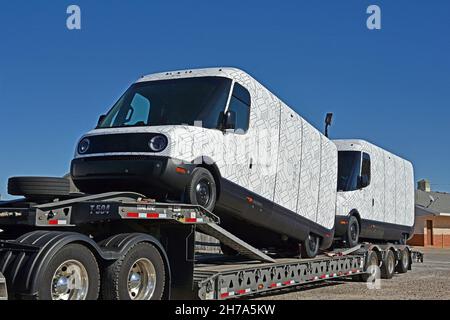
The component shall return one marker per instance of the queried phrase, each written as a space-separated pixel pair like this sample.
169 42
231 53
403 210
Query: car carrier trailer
41 246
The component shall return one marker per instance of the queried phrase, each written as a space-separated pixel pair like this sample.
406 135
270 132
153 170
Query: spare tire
38 187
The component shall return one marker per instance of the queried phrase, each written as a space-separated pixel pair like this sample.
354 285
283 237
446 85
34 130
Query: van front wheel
201 189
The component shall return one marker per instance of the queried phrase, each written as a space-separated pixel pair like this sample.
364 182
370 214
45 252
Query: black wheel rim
354 232
312 243
203 192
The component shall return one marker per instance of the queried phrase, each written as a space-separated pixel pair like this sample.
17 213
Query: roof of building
441 203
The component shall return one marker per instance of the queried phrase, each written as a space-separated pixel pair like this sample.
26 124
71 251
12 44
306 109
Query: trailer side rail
217 282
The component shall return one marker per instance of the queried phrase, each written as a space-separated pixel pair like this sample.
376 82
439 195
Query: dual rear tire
73 274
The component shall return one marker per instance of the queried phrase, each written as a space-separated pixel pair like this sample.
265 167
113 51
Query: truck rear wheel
403 263
372 267
138 275
201 189
388 267
72 274
310 247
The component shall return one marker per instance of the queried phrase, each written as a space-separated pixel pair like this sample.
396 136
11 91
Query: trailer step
3 291
234 242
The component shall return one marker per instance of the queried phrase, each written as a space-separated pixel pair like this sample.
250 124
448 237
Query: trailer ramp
234 242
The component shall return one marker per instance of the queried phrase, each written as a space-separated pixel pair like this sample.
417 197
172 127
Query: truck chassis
110 224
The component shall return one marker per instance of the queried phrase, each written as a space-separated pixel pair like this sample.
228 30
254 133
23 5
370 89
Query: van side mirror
229 120
328 122
100 119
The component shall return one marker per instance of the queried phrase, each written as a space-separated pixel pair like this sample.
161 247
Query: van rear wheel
201 189
310 247
352 234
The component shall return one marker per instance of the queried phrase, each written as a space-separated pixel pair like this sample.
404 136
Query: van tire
310 247
201 189
38 187
352 234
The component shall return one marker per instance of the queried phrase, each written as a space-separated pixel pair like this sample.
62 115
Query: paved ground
430 280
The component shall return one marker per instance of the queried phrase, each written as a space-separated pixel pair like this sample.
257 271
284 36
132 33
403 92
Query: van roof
227 72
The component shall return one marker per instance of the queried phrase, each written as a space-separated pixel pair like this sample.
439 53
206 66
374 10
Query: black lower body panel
374 230
262 222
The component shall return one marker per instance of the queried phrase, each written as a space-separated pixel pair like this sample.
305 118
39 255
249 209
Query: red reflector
273 285
53 222
153 215
250 200
287 283
323 276
181 170
224 295
240 291
133 215
343 222
191 220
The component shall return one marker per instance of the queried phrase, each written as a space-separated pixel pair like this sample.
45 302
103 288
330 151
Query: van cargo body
275 173
377 187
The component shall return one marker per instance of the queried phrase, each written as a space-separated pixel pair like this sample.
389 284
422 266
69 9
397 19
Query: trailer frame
33 232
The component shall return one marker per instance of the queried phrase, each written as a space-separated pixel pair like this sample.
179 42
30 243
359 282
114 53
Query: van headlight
83 146
158 143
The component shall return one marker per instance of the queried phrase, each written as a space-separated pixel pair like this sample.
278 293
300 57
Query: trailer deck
48 227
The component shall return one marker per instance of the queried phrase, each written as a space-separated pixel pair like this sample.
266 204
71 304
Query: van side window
240 104
349 166
365 169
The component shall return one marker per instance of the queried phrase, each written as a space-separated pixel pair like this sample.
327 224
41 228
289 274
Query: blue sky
391 87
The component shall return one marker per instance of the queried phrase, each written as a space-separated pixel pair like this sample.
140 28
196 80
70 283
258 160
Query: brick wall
441 232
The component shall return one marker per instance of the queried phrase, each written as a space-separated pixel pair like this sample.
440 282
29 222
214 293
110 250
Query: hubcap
203 192
405 258
142 280
70 281
391 265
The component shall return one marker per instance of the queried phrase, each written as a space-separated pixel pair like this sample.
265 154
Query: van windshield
349 166
185 101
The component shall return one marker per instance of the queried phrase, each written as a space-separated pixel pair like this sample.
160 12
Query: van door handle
373 202
251 163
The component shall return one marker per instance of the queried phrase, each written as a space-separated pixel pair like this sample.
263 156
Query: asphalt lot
428 280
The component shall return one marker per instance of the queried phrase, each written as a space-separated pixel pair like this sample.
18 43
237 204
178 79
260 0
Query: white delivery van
375 197
218 138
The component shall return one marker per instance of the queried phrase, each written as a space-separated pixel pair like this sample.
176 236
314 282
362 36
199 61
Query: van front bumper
145 174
